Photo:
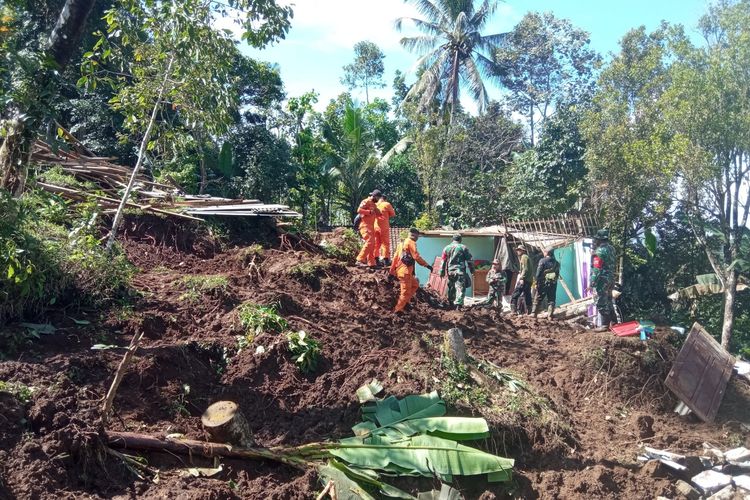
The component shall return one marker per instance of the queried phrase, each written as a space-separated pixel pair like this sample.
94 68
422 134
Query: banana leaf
368 391
446 492
354 484
392 409
423 456
456 428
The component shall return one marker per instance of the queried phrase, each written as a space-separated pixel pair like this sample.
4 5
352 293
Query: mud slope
593 398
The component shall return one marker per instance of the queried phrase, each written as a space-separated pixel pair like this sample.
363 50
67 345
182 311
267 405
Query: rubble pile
714 475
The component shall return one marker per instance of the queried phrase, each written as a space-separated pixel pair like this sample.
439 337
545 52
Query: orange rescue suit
368 209
383 230
404 273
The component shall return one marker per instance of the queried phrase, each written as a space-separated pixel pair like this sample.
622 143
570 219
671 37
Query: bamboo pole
110 397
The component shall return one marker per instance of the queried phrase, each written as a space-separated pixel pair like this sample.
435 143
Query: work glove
429 267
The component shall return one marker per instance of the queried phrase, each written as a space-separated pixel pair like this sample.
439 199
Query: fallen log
296 457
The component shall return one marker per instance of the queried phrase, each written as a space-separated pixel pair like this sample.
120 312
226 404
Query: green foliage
630 152
411 436
21 392
305 350
198 286
427 221
458 387
399 179
50 255
309 269
345 247
257 319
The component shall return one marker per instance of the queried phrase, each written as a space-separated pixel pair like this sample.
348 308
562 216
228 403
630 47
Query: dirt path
593 397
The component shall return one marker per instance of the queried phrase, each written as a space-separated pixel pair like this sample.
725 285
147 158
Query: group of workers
374 216
374 221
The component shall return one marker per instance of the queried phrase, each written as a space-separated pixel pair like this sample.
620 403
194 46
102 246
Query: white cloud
342 23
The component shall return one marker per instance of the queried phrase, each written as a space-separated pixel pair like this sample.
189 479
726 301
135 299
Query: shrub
305 350
256 319
50 254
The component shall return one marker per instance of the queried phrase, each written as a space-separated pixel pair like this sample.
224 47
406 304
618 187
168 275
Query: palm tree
353 159
453 51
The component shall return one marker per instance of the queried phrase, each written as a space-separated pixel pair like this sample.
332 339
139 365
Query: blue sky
324 31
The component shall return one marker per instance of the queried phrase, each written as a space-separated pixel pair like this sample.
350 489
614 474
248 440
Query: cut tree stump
453 345
226 424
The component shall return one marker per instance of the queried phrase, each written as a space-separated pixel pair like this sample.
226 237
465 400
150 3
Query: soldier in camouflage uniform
603 277
456 261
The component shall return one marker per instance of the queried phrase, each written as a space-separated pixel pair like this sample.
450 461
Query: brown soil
596 397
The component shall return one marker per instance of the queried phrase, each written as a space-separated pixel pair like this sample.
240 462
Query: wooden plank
700 373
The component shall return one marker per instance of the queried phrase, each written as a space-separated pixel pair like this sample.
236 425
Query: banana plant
409 437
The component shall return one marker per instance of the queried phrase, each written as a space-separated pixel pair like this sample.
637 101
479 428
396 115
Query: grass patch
309 270
199 286
458 388
21 392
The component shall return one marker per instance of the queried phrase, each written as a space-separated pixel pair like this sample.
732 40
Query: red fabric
598 262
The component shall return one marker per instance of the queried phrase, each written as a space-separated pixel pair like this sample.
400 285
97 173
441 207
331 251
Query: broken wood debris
104 182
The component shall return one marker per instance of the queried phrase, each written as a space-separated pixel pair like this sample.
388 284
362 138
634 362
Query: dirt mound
590 399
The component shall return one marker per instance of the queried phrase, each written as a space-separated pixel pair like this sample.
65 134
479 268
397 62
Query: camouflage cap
602 235
457 237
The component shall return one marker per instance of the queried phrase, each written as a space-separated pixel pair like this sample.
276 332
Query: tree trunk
63 42
66 35
454 346
531 123
10 155
141 156
145 442
226 424
730 294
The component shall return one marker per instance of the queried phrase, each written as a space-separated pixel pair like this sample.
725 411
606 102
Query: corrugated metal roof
539 240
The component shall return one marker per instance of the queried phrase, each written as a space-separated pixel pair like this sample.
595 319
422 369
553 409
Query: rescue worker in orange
403 268
368 210
383 232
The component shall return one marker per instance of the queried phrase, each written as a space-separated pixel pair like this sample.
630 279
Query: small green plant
201 285
179 405
305 350
427 221
308 270
257 318
21 392
458 386
345 247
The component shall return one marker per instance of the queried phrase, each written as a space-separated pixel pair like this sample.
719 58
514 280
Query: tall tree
367 69
543 62
170 51
629 153
708 106
453 51
31 97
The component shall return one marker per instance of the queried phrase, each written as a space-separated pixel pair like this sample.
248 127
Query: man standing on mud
547 273
603 278
523 285
368 211
383 231
403 268
456 261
